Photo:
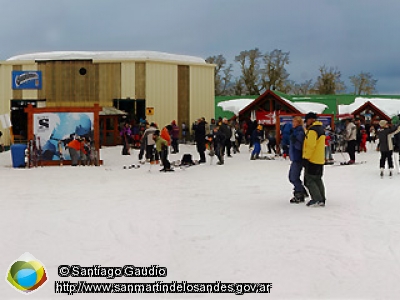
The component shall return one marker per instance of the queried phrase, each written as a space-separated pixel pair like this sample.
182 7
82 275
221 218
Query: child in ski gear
385 136
314 159
256 138
364 136
296 156
328 148
162 150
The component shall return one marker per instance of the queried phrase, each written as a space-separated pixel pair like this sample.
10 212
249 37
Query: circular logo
26 274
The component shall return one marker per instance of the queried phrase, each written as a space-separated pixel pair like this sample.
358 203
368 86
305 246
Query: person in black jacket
226 130
385 135
218 140
200 138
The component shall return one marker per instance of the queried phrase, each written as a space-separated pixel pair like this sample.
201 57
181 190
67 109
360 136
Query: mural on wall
56 129
25 80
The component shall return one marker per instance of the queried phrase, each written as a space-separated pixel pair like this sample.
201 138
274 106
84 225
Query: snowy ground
230 223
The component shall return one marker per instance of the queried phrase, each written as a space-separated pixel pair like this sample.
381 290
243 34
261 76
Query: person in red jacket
363 144
165 134
74 148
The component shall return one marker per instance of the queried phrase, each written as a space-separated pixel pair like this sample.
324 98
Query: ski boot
298 198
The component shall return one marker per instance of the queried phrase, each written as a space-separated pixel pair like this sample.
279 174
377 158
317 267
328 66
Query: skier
175 137
296 156
351 138
162 150
285 134
126 135
314 159
256 138
74 148
385 136
148 143
218 140
227 132
200 137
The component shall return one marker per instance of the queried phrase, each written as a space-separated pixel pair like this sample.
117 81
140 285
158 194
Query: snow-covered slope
230 223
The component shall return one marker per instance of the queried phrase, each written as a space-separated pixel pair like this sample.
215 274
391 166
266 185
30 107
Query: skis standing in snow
385 135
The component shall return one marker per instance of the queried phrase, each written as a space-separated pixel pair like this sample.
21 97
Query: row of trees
259 72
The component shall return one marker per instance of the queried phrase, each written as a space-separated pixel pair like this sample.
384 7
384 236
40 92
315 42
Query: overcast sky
353 35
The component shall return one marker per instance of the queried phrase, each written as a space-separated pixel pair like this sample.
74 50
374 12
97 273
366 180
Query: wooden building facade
157 86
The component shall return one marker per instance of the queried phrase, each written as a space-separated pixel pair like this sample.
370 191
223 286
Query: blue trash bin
18 155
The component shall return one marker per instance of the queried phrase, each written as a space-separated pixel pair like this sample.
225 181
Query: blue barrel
18 155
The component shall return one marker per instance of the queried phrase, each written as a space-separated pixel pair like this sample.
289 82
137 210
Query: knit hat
383 123
311 115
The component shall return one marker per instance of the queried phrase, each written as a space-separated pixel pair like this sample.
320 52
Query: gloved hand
305 163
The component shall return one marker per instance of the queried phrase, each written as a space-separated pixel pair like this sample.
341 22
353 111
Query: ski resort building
160 87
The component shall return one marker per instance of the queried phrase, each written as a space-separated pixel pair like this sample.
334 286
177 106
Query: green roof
332 101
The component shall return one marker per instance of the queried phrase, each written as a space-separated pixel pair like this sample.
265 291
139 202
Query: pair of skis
33 153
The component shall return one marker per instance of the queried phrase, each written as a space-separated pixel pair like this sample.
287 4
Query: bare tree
363 83
274 74
250 68
238 87
328 82
303 88
220 81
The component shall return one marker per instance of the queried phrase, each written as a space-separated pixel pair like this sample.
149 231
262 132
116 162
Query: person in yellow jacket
314 159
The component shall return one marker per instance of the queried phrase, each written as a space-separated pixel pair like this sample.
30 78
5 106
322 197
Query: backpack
187 160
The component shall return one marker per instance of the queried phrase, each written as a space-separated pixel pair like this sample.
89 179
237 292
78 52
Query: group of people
307 150
81 151
154 143
222 137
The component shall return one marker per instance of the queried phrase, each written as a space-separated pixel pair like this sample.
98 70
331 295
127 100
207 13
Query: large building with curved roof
159 86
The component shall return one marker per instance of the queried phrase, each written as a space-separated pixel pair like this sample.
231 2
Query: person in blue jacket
285 134
296 157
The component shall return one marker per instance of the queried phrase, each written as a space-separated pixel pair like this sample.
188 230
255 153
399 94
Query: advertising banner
25 80
325 119
55 130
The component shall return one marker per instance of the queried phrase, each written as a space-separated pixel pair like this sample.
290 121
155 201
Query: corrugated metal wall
201 93
29 94
5 97
128 80
162 92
